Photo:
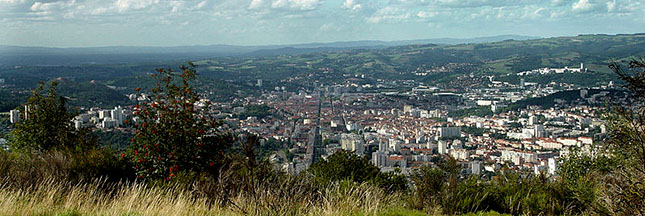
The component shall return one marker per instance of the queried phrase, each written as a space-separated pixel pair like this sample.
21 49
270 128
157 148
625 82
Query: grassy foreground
101 198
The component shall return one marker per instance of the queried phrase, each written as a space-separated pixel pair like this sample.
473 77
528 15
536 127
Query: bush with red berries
175 133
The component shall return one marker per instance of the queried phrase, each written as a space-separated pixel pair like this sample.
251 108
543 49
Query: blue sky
80 23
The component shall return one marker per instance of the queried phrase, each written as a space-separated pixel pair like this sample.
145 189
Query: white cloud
12 2
388 14
352 5
582 5
255 4
611 6
125 5
47 6
200 5
427 14
295 4
327 27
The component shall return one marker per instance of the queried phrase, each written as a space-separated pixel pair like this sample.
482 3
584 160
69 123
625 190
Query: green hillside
501 58
90 94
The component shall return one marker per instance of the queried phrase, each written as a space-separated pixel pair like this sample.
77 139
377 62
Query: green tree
344 165
625 186
437 185
47 124
175 132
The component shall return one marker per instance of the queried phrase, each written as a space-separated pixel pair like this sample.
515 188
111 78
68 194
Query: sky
88 23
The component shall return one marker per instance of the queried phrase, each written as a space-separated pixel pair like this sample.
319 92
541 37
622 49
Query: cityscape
322 107
401 131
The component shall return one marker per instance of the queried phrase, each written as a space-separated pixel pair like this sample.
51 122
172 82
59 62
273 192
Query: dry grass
99 197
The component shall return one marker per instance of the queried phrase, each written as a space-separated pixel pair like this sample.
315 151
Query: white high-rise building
352 142
78 124
104 114
553 166
443 147
583 93
379 159
539 131
108 123
27 110
532 120
117 115
259 83
449 132
382 146
394 145
476 167
14 116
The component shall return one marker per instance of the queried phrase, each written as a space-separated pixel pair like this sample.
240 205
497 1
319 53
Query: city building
14 116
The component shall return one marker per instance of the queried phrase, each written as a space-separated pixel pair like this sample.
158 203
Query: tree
47 124
344 165
175 132
436 185
625 186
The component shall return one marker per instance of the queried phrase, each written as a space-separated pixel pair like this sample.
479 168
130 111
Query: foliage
255 110
569 97
509 192
625 187
115 139
481 111
344 165
97 197
91 94
11 99
24 170
46 124
173 134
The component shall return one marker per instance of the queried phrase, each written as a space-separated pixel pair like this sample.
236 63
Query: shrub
175 131
47 124
344 165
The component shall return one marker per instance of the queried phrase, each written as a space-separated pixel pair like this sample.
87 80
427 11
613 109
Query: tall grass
100 197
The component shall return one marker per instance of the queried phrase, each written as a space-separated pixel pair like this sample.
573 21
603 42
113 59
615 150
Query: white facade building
14 116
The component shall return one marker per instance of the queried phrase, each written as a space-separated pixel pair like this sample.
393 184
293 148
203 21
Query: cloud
582 5
427 14
48 6
353 5
125 5
295 4
255 4
199 5
389 15
238 19
611 6
328 27
12 2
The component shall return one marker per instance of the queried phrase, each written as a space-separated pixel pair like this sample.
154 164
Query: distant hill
569 97
90 94
20 55
430 63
